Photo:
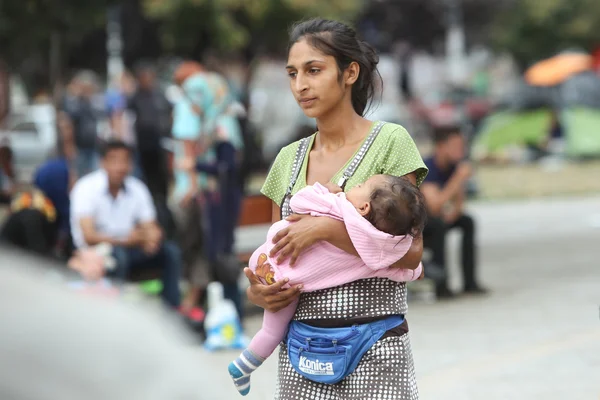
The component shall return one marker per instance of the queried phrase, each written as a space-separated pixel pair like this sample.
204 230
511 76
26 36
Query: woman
332 78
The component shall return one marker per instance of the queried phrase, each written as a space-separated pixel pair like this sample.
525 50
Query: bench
255 210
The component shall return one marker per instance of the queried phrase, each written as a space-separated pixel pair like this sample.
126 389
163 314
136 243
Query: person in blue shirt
55 179
444 189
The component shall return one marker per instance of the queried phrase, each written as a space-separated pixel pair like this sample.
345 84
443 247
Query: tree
33 31
189 27
531 30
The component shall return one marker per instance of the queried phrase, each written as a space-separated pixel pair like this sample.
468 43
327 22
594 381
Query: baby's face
360 195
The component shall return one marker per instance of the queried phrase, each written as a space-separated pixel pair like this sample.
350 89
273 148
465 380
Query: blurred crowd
148 182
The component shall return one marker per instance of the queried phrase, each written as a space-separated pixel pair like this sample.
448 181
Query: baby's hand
333 188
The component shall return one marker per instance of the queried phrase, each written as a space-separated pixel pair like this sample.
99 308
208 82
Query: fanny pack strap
391 322
351 169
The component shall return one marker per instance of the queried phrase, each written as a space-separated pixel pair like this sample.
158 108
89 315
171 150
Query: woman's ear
364 209
351 74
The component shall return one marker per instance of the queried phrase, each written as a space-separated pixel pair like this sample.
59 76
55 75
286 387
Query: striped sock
241 368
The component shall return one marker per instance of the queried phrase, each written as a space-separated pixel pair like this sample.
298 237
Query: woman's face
314 80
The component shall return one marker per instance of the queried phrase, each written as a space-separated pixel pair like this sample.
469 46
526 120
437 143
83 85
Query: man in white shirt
109 206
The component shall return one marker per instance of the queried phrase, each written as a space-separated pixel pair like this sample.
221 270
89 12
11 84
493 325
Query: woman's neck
340 128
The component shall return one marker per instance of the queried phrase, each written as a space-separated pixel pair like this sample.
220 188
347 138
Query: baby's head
392 204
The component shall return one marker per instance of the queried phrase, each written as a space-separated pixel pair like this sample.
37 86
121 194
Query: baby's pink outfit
325 266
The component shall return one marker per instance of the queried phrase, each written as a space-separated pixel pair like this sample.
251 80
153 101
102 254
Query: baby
382 216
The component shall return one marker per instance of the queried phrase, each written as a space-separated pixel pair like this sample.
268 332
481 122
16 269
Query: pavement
535 336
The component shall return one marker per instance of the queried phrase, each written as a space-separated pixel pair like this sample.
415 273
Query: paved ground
537 336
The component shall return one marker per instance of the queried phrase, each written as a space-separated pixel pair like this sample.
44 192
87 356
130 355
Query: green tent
581 127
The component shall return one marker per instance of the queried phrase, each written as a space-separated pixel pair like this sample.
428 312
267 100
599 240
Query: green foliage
26 25
189 26
532 29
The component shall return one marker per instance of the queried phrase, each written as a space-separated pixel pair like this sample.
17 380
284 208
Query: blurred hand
88 263
273 297
464 170
135 238
152 240
197 110
451 216
187 199
187 164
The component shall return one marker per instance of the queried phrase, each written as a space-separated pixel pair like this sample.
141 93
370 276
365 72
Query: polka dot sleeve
280 174
402 156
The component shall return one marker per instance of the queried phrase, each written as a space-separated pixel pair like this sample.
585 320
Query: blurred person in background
121 119
206 123
444 189
7 176
152 113
79 105
39 216
59 345
116 99
185 201
109 206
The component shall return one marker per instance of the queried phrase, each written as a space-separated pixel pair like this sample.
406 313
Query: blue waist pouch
328 355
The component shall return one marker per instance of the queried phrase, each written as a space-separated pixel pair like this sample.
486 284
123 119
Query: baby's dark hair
398 208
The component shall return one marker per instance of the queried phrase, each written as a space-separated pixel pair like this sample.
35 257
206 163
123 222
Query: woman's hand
293 240
270 297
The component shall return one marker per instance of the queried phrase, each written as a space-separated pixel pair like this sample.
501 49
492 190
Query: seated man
109 206
444 191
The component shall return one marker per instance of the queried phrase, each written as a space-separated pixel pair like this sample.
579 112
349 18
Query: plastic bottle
222 325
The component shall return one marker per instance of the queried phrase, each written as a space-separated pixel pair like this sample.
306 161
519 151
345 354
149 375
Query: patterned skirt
386 371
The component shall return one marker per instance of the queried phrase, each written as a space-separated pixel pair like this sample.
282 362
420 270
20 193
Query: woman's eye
314 70
292 74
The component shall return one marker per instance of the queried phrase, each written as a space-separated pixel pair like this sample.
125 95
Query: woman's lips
308 102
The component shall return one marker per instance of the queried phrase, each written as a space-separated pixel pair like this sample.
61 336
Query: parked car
31 134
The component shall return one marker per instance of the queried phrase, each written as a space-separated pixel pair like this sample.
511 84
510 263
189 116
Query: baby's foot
241 368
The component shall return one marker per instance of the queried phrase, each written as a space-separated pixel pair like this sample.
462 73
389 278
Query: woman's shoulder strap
360 155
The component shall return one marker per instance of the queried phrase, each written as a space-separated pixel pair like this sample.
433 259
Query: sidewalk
537 336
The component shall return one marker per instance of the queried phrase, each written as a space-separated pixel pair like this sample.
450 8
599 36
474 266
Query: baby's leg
273 330
262 346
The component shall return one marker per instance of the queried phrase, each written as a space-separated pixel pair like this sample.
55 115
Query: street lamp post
114 43
455 43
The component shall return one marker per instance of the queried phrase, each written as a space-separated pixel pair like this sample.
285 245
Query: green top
392 153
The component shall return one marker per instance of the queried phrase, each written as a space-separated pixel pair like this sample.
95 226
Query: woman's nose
301 84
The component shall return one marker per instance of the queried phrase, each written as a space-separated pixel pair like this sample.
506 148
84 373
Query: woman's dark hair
398 208
340 41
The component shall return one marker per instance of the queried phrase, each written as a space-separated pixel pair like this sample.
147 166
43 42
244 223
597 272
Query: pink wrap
324 265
